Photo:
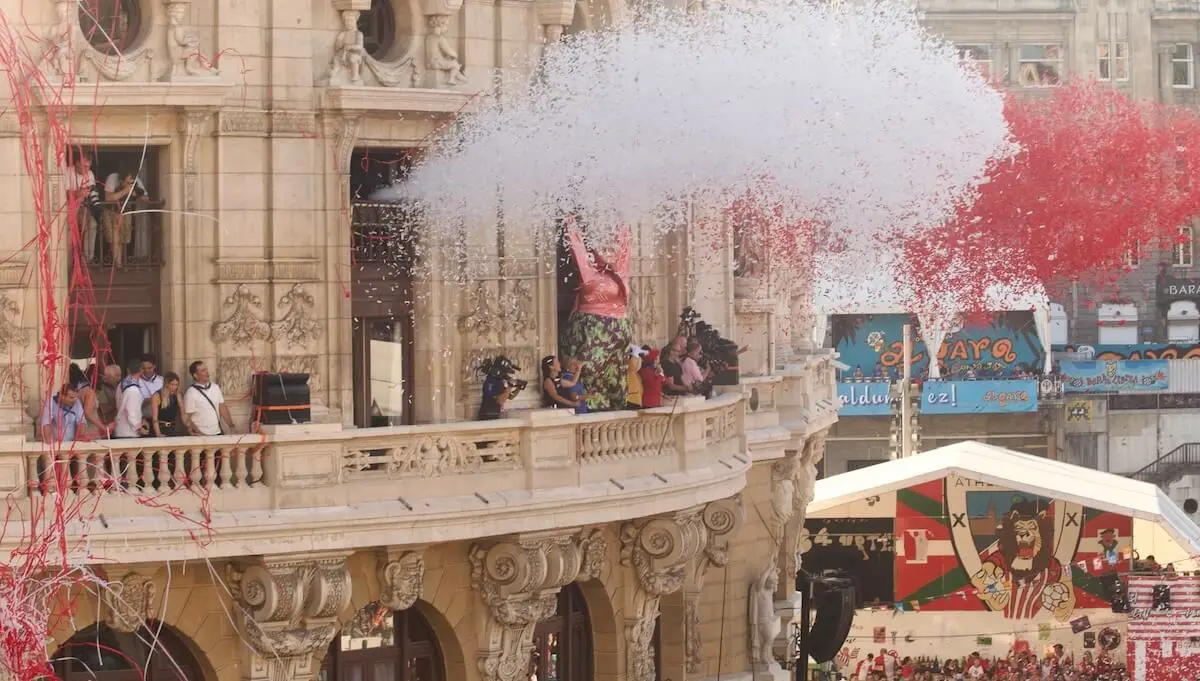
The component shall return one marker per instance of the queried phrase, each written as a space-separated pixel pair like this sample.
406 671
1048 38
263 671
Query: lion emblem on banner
1016 551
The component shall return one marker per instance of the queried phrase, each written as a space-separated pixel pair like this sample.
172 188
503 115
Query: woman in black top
166 418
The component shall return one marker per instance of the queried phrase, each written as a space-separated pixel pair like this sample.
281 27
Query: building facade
390 537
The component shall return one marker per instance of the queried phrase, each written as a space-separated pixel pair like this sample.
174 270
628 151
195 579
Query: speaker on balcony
831 625
281 399
1116 593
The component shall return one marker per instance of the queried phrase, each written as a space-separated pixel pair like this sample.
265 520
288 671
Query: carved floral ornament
245 323
518 580
297 324
498 307
12 334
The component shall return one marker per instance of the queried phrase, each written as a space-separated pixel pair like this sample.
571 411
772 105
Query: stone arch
607 641
156 651
453 658
418 634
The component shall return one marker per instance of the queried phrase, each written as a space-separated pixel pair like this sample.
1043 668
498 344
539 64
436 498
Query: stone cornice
205 93
421 100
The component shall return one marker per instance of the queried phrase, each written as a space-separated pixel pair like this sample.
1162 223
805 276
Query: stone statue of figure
765 624
748 251
440 57
183 45
348 53
59 55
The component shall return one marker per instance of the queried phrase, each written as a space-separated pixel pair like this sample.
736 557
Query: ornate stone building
389 538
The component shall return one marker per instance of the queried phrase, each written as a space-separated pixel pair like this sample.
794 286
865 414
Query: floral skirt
603 345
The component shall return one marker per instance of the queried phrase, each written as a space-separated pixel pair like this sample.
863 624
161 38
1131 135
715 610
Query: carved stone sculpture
183 46
764 622
289 611
440 57
722 518
297 324
129 602
401 579
518 580
659 550
245 324
348 52
60 53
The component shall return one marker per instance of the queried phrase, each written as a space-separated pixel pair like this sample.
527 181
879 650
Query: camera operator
500 385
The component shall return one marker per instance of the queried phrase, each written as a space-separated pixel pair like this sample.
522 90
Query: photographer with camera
500 384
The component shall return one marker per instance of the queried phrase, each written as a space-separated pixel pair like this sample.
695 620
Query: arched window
111 26
378 26
153 653
562 645
381 646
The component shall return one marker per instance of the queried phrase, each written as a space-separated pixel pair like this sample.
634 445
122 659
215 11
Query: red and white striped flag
1180 622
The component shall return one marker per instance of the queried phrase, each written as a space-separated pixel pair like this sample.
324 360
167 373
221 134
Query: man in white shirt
204 404
129 403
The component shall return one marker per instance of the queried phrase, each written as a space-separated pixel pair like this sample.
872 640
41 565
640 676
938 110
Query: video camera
504 370
719 353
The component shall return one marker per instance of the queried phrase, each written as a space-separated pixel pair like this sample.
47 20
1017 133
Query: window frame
1117 53
1186 246
129 38
987 67
1189 61
1022 60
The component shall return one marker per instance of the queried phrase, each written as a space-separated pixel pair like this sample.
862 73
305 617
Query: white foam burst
854 114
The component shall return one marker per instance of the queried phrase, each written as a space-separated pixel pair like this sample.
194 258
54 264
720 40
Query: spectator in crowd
62 418
552 396
129 404
106 397
695 379
673 385
652 378
93 427
634 388
204 408
571 385
166 413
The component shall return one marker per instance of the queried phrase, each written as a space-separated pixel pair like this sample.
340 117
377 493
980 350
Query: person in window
81 187
121 190
129 404
652 380
695 378
552 385
500 385
166 413
62 419
204 408
571 385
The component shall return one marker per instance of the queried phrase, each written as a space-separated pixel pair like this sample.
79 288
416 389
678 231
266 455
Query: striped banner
1180 622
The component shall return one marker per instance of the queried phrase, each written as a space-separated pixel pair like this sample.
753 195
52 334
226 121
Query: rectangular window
1184 247
1112 61
1133 257
1040 65
977 57
1183 66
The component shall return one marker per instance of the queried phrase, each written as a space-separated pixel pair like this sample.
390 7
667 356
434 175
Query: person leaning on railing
62 418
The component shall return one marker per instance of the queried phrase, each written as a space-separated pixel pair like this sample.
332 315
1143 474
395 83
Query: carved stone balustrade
320 487
808 402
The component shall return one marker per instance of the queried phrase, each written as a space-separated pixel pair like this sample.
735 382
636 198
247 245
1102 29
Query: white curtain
934 329
1041 322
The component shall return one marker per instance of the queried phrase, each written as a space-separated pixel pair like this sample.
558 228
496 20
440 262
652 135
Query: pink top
602 290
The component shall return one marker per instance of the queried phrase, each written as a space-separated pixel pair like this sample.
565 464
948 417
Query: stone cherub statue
348 52
765 624
183 46
59 55
440 57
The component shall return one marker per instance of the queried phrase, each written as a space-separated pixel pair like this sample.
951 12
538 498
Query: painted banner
872 346
1137 351
1146 375
962 544
862 547
1164 643
864 398
979 397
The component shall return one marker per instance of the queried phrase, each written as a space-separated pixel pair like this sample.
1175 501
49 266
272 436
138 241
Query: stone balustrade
324 487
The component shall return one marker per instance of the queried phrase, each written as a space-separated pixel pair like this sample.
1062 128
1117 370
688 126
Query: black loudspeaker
831 625
1116 593
1162 597
281 399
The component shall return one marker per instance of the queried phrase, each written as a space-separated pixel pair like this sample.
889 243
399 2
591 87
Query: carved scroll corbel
129 601
722 519
401 578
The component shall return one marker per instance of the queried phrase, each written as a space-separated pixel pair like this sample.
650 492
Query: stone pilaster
289 608
722 518
518 580
658 550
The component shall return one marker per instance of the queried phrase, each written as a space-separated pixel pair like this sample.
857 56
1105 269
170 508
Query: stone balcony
321 487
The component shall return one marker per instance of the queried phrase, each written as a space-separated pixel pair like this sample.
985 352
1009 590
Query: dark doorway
562 645
380 646
114 344
153 653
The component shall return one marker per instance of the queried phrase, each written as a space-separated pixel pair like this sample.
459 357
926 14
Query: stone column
722 519
518 579
554 16
1166 73
658 550
289 608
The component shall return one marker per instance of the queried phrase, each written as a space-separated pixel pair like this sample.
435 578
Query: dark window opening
378 645
152 653
111 26
123 233
115 344
378 27
562 645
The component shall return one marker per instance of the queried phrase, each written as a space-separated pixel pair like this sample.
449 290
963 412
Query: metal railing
1171 466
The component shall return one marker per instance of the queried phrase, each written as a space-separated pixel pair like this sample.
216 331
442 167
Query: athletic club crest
1016 548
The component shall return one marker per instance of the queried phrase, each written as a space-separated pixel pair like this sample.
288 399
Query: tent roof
1016 471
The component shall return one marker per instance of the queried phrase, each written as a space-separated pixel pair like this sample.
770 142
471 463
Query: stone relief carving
233 374
641 309
119 67
349 57
401 579
129 602
484 316
191 125
12 385
502 306
343 142
293 124
659 550
434 456
183 46
594 547
297 324
12 335
764 624
59 58
244 123
518 580
244 325
525 357
302 364
722 519
289 610
516 309
440 56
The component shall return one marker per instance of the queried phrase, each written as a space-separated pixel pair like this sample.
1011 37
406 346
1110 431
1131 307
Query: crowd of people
107 234
104 402
1022 665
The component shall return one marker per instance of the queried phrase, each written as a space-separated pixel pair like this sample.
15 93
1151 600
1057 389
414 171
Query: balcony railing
137 240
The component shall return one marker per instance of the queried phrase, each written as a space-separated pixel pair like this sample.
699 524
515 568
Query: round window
378 26
111 26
